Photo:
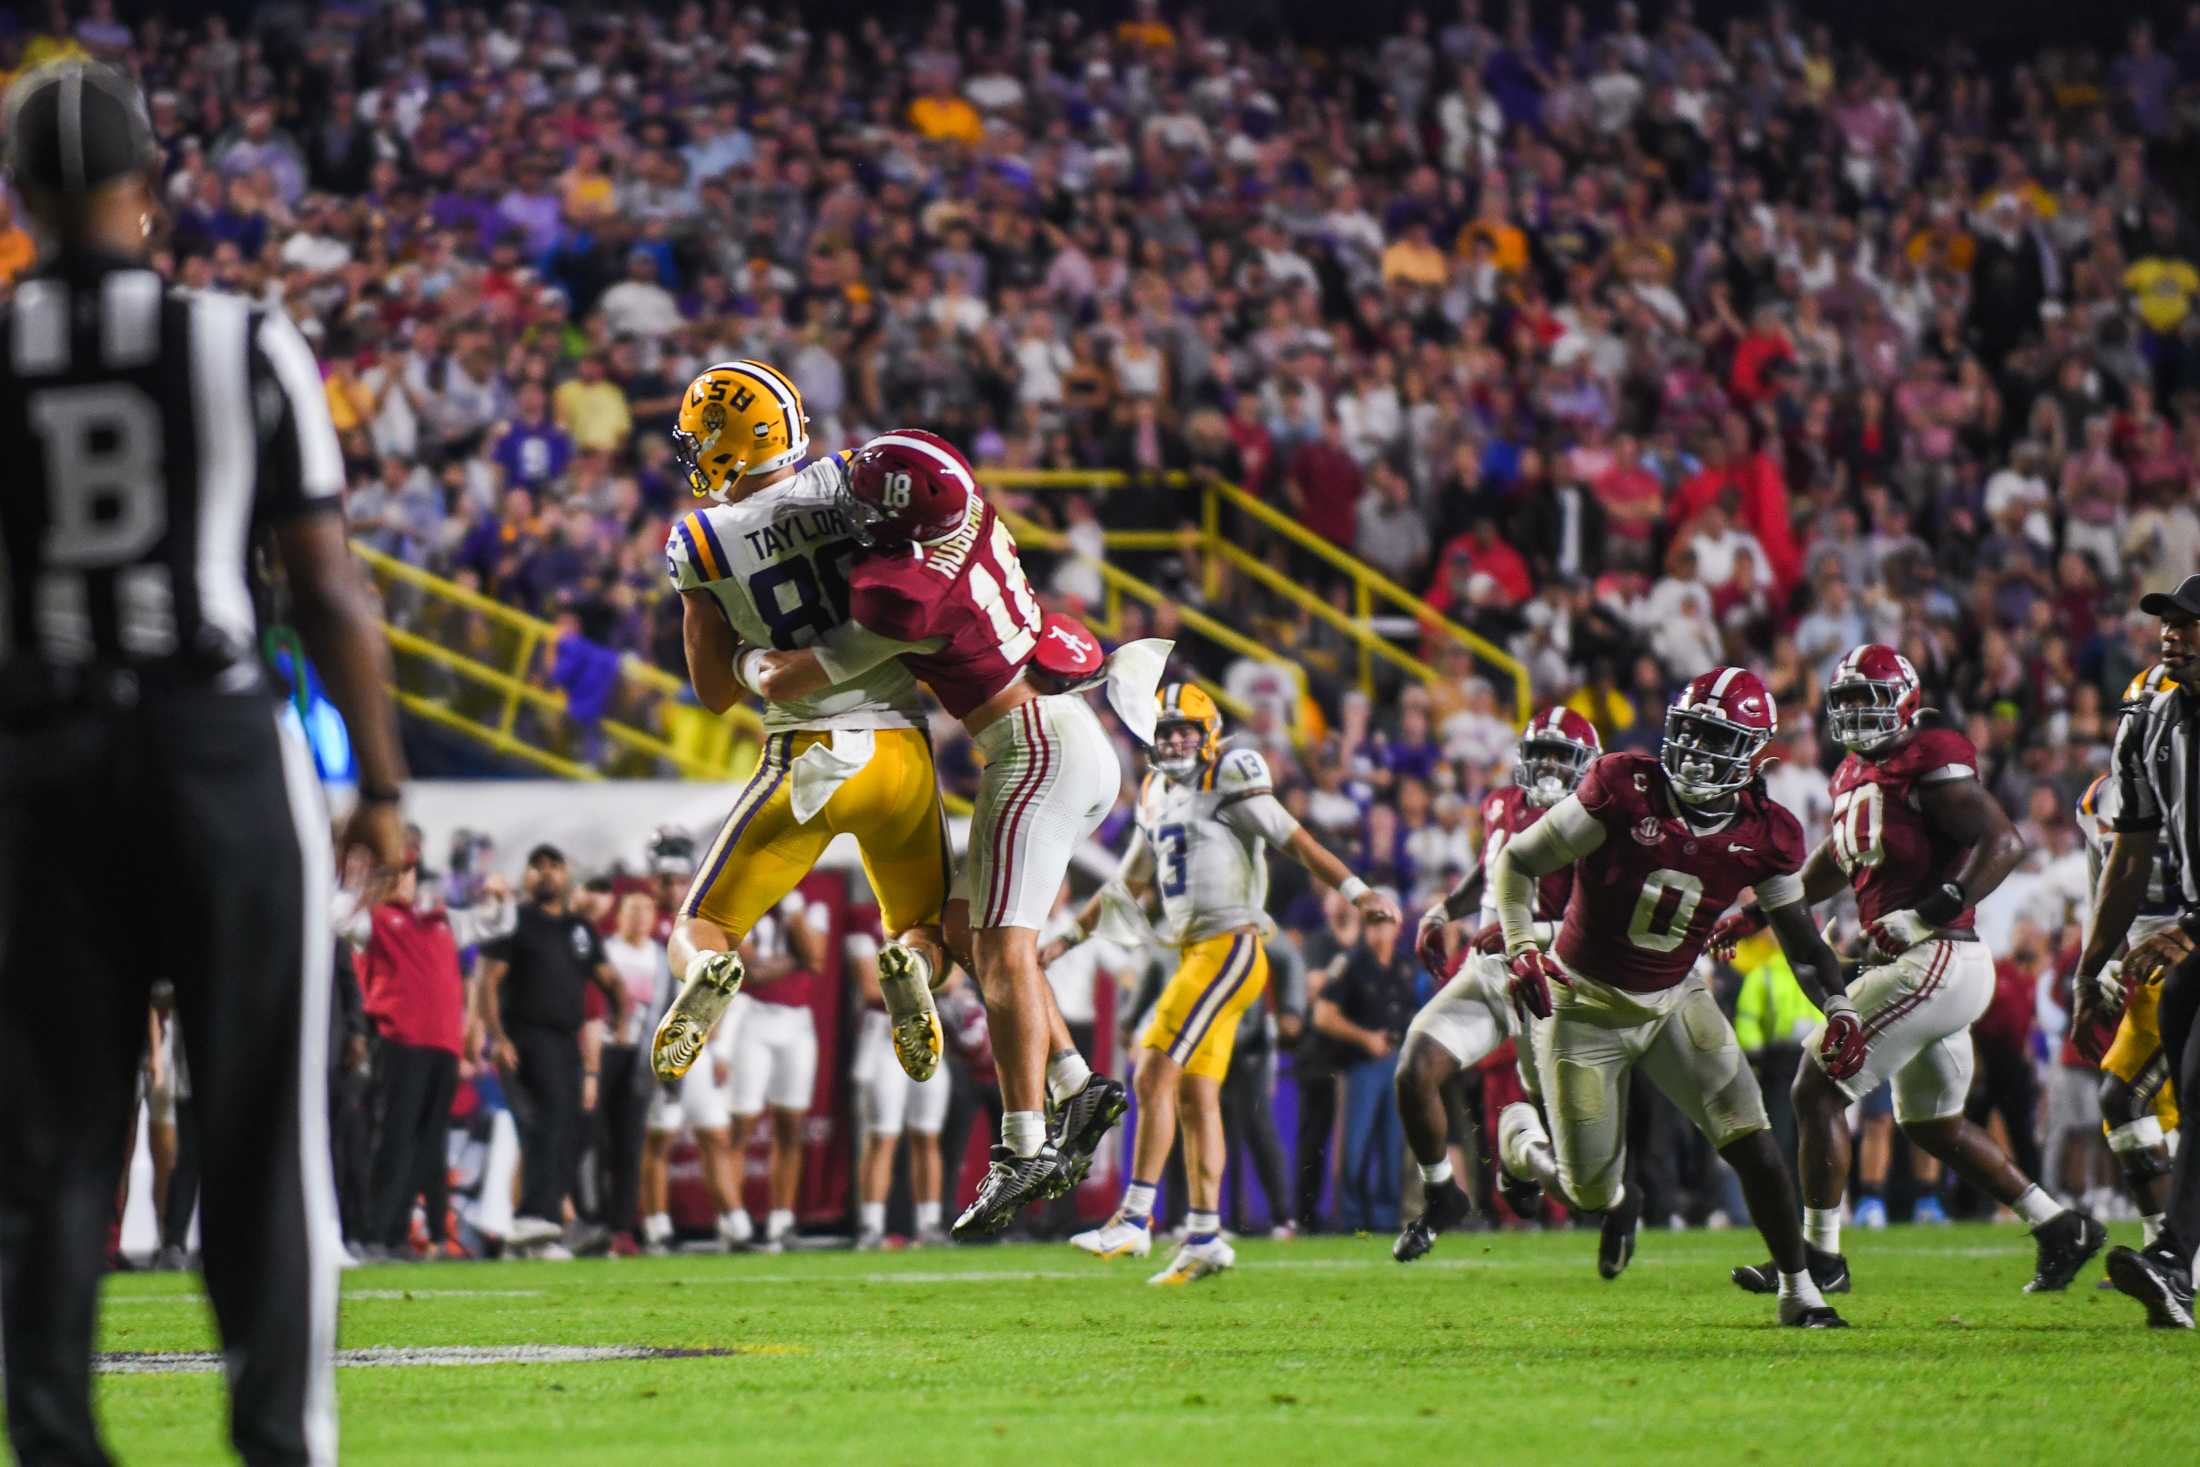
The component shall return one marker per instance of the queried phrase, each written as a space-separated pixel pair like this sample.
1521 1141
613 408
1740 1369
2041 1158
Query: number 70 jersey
776 563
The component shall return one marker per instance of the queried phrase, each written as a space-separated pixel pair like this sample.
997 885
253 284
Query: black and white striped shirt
2157 770
151 434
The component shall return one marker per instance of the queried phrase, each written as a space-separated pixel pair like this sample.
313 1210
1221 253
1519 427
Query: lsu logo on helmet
736 419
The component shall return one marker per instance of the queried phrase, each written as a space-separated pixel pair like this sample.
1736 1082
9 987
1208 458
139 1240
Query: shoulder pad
1242 772
693 554
1619 788
1786 851
1935 748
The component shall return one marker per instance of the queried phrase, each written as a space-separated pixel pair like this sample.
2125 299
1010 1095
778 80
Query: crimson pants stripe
1011 824
1925 990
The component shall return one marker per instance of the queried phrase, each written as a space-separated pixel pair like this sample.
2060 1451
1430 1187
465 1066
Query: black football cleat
1447 1208
2067 1244
1080 1125
2155 1280
1523 1194
1829 1271
1616 1240
1815 1316
1009 1184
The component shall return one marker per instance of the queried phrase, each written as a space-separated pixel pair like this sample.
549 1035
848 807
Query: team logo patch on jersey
1647 831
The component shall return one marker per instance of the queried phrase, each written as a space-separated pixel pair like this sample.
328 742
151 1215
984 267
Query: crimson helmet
906 485
1068 658
1716 733
1873 698
1555 750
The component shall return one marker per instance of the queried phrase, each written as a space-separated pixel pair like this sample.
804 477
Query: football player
939 592
1206 819
2138 1092
1471 1014
764 564
1921 843
1661 848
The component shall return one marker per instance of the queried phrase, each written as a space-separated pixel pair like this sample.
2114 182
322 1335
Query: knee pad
2139 1149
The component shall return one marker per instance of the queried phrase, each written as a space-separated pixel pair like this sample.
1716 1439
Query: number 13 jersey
776 563
1207 841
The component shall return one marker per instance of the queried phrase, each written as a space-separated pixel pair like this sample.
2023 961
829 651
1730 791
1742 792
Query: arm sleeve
1560 838
1137 862
301 464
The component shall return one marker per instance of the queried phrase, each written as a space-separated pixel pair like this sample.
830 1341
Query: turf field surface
1496 1348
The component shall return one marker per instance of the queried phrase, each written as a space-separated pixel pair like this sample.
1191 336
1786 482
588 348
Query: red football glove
1842 1049
1733 927
1532 976
1429 944
1897 932
1490 939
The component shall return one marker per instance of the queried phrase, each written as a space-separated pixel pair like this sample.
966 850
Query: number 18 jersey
776 563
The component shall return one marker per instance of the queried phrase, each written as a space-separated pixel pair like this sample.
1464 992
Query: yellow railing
1370 589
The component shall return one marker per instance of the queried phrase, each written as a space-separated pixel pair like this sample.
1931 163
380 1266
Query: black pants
2181 1042
545 1092
622 1120
183 1182
2005 1081
351 1148
412 1106
1249 1125
1317 1119
200 821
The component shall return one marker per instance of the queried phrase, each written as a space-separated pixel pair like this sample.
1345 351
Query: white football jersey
2097 811
777 563
1206 840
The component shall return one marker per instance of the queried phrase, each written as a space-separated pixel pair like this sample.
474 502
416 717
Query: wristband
1838 1003
384 794
1078 932
1353 889
2190 924
746 667
1942 907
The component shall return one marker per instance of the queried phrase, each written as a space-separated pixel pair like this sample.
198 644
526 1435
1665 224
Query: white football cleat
713 979
1118 1237
525 1232
1195 1261
1519 1127
905 982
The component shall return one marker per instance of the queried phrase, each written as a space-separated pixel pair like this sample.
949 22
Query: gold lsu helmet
736 419
1186 704
2142 688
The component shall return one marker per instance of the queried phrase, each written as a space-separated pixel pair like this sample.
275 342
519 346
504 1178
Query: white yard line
207 1362
349 1294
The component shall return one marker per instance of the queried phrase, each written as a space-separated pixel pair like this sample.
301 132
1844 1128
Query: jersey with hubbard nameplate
2098 808
1888 847
1645 901
1506 813
1207 846
159 431
776 563
959 609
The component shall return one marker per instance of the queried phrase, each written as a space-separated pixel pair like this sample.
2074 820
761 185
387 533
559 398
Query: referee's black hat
74 126
2185 598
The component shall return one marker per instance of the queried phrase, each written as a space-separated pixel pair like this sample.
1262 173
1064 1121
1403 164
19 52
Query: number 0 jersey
776 563
1205 841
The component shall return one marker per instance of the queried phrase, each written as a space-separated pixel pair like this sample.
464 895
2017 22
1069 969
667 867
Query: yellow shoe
905 981
712 981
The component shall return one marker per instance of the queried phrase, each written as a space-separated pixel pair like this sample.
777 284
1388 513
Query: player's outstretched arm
707 638
1322 864
1132 882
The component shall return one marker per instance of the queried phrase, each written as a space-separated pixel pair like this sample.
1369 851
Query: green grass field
1498 1347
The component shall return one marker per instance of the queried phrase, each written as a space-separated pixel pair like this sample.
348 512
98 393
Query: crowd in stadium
1633 346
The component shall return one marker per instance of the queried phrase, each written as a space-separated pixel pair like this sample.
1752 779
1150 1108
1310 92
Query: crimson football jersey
1506 813
967 593
1645 901
1892 854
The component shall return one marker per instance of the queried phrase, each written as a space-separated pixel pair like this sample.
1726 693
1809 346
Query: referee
2157 772
156 819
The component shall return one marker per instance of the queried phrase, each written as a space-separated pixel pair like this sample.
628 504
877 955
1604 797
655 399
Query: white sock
1138 1200
2036 1207
928 1214
1067 1073
873 1216
1802 1288
1437 1175
658 1226
2150 1228
1822 1228
736 1219
1201 1227
1024 1131
782 1221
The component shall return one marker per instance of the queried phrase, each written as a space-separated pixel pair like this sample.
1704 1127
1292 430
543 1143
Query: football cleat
1829 1271
1009 1184
525 1232
712 980
870 1240
1795 1313
2155 1280
1447 1208
905 981
1929 1213
1195 1261
2067 1243
1080 1124
1616 1240
1120 1236
1871 1213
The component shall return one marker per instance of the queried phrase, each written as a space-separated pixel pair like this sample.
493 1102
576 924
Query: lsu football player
1206 818
2138 1093
761 564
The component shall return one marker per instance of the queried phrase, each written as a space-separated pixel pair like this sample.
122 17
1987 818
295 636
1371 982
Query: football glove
1842 1048
2110 985
1428 943
1898 932
1530 987
1733 927
1491 939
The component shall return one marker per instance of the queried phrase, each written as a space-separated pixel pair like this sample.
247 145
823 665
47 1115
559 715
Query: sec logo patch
1646 831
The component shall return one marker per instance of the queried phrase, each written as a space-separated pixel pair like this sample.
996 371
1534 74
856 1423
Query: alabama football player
939 591
764 563
1921 842
1206 818
1660 848
1471 1014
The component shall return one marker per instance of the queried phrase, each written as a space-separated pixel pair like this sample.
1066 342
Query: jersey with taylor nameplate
1209 846
1645 901
1892 853
777 563
1505 813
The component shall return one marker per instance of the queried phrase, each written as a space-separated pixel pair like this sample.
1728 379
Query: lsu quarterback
762 564
1206 817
